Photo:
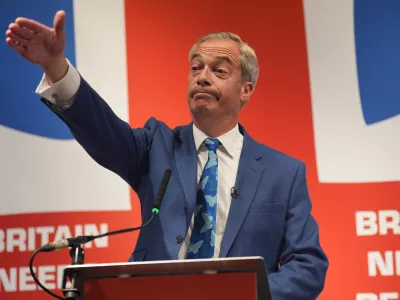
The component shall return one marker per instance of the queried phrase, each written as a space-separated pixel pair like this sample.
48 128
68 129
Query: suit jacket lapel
186 162
247 180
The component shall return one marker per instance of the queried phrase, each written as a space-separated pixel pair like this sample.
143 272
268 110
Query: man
228 195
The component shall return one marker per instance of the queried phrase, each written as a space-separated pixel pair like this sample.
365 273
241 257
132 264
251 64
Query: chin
200 107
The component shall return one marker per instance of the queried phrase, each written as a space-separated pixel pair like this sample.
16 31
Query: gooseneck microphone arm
76 243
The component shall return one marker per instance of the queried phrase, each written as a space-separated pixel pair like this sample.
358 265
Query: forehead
219 48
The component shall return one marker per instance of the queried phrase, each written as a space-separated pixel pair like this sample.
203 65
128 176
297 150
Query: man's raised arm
108 139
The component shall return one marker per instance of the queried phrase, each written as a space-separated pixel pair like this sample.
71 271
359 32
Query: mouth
204 95
198 96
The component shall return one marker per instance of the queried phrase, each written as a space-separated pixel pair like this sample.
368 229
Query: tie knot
211 143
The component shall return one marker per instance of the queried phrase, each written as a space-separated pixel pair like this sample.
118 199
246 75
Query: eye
195 68
221 71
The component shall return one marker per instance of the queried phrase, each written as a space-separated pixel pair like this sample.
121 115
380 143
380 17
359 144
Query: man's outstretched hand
40 44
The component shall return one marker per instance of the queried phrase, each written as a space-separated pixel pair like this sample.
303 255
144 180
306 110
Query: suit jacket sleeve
303 264
110 141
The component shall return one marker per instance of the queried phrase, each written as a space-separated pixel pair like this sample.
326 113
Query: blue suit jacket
271 218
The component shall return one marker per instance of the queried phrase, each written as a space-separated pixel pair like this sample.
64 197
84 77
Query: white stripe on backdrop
347 150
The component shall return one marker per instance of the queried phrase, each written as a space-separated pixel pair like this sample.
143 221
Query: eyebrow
225 58
219 57
195 55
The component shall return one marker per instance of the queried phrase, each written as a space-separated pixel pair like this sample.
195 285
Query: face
215 86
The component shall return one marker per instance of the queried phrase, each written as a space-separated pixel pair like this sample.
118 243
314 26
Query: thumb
59 23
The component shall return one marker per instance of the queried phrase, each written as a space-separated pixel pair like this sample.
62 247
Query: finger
24 33
16 38
15 46
59 22
31 24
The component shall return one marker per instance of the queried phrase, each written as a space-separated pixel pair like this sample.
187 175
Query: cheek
190 79
233 95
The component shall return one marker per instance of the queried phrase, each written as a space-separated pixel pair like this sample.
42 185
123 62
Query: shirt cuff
61 93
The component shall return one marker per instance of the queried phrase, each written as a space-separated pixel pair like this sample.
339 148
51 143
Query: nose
204 78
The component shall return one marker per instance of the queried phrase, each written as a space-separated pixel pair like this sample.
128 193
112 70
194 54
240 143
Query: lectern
242 278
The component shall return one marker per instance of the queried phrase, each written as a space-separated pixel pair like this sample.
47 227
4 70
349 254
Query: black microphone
161 191
235 193
79 240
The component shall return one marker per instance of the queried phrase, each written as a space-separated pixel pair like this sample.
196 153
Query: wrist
56 69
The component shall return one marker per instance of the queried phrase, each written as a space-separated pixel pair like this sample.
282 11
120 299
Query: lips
202 95
197 94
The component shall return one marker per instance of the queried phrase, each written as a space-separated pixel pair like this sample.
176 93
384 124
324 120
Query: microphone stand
78 256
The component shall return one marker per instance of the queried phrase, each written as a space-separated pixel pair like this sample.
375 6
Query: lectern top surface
238 276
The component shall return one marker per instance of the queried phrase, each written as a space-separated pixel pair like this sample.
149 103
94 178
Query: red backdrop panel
279 114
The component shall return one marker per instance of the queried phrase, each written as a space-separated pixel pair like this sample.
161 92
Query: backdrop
327 94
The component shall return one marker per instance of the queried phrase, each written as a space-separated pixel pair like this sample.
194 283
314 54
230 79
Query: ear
245 93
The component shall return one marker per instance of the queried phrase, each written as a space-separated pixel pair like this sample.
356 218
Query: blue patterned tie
202 241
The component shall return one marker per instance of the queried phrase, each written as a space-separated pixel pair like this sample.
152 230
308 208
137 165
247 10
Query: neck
215 128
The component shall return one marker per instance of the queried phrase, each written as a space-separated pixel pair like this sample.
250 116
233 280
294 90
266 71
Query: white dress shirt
62 95
228 162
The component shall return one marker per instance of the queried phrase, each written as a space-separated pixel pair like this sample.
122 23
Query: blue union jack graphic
20 109
377 28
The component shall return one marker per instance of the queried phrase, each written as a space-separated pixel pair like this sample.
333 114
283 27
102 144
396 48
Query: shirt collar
230 141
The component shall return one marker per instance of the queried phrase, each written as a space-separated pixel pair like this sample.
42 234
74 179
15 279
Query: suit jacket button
179 239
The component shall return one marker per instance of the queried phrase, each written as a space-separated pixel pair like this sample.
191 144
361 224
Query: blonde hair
248 58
